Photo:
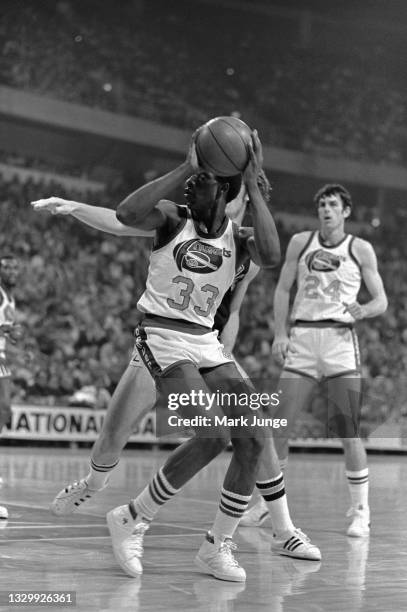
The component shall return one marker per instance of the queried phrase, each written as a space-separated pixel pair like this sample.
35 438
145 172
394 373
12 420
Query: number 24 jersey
327 277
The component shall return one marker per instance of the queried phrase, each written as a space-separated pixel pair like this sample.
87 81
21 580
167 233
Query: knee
249 449
214 446
209 448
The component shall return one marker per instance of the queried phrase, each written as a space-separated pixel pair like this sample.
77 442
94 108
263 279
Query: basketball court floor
40 552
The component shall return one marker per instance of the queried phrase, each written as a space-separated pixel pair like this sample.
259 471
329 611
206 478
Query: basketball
222 146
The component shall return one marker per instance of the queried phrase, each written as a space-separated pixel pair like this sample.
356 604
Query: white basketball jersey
188 276
7 314
327 277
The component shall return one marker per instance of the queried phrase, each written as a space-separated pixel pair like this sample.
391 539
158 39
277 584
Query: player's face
331 212
201 192
9 271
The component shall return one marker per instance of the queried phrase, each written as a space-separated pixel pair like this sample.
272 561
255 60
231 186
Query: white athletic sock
273 492
99 474
231 508
155 494
358 483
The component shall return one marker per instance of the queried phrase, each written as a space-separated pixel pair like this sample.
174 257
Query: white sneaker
3 513
127 539
360 525
73 496
297 545
256 515
215 557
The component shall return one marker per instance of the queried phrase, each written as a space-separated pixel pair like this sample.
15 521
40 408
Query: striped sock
98 474
150 500
231 508
273 492
358 483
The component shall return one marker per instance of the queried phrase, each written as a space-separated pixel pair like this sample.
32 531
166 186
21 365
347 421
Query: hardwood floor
39 551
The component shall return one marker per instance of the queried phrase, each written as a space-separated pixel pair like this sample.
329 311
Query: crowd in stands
76 296
181 65
78 291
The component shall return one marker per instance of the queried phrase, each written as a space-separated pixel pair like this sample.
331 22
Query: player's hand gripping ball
222 146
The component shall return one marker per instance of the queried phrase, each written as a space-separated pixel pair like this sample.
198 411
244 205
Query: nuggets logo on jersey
197 256
325 280
322 261
189 275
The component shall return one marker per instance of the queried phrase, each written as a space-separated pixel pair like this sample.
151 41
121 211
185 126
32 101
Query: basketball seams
203 158
221 147
237 132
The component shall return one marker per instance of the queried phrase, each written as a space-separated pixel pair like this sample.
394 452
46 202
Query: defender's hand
54 205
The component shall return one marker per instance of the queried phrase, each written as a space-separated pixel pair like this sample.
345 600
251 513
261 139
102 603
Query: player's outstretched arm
366 257
231 328
100 218
282 296
264 248
141 208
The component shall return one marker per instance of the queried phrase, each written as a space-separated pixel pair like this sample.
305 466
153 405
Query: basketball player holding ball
177 344
182 353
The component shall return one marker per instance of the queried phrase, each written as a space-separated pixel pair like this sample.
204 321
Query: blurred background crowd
79 288
77 299
342 90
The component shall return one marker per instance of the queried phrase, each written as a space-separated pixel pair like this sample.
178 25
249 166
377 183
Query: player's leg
5 400
288 539
133 396
295 391
5 417
215 555
342 367
344 404
128 523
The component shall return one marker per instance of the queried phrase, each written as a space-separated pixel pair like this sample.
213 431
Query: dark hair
334 189
235 182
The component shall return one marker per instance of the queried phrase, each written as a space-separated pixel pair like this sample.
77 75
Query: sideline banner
55 423
66 424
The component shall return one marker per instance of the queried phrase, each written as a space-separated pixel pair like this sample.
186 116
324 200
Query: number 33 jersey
327 277
189 275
